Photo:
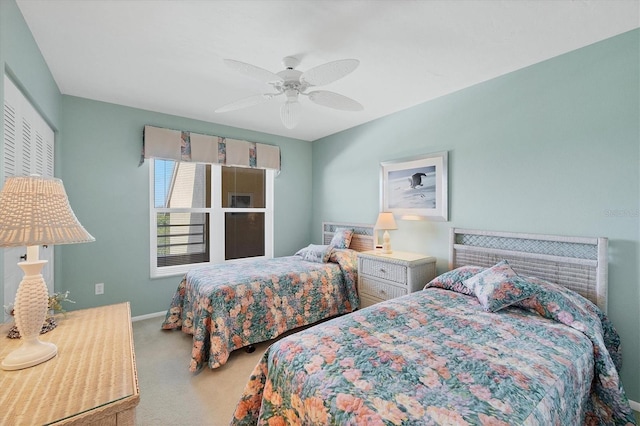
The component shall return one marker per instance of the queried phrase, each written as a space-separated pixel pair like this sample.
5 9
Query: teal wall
551 149
20 58
110 195
548 149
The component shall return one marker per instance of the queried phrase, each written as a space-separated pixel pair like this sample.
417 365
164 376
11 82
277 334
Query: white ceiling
167 56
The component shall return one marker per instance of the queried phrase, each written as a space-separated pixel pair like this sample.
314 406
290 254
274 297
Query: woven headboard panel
362 239
577 263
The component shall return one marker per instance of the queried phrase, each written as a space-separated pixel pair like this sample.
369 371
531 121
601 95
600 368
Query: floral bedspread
229 306
436 357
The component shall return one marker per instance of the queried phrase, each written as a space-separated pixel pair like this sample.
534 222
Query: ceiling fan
292 83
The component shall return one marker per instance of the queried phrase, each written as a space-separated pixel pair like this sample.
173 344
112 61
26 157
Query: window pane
244 235
182 238
243 188
181 185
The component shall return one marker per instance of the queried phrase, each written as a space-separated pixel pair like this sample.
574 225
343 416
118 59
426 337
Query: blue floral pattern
491 276
436 357
499 295
342 238
315 253
607 399
454 279
229 306
499 287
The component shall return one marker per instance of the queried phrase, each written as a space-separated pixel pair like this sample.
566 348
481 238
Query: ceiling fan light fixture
292 83
290 113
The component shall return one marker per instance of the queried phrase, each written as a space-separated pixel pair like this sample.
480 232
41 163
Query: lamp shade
35 211
386 221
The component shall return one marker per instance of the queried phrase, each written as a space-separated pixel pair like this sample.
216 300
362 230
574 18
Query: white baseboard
635 406
148 316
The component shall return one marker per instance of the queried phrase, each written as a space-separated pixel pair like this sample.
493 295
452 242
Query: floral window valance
188 146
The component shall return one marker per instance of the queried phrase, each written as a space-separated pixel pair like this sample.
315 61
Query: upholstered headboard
577 263
362 239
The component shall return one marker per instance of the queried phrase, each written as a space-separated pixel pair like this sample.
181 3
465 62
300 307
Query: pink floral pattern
341 238
436 357
499 287
453 280
229 306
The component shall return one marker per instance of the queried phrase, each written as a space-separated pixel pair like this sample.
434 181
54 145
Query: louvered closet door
28 149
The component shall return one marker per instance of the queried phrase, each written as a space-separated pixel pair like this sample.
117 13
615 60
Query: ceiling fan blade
253 71
329 72
247 102
334 100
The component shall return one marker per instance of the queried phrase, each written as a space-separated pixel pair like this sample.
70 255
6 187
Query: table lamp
386 221
35 211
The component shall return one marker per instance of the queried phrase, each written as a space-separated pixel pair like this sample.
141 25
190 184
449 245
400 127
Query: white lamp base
386 245
32 302
31 353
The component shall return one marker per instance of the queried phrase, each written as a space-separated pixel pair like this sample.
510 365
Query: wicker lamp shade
35 211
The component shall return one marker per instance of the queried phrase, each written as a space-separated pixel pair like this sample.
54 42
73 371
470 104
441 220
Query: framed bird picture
415 188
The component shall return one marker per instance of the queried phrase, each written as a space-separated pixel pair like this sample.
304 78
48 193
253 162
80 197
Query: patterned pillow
452 280
315 253
499 287
338 254
341 238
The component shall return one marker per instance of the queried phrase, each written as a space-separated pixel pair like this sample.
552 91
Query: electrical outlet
100 288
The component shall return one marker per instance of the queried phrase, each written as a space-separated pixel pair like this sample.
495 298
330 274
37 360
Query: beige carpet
170 394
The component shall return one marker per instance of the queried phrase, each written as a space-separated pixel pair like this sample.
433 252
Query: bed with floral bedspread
447 356
230 306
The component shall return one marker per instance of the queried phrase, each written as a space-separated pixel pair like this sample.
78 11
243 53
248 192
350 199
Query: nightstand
386 276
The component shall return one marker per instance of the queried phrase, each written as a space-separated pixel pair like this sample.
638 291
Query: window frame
216 223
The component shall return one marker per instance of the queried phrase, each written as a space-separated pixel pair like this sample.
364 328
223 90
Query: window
203 213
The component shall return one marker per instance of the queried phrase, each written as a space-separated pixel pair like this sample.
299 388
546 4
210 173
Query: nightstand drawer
384 270
366 301
379 289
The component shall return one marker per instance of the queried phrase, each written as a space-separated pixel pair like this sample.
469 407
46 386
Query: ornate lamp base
32 301
386 246
32 352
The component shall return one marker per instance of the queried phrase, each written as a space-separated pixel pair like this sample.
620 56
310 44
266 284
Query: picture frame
416 188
